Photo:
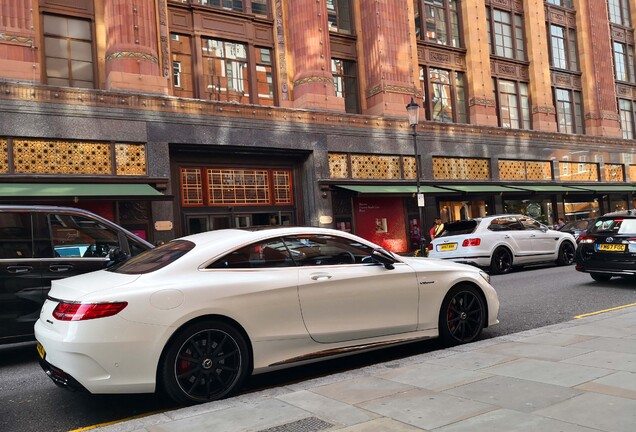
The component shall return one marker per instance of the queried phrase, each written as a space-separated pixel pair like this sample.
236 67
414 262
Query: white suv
500 242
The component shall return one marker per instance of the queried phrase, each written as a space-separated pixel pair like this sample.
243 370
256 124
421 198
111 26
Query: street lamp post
413 110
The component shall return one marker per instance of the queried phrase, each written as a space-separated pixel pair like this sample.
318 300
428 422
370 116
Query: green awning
479 188
405 189
548 188
111 190
608 188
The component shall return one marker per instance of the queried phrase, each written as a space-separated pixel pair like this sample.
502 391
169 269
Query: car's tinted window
530 224
505 224
154 259
459 228
15 235
616 225
76 236
264 254
320 250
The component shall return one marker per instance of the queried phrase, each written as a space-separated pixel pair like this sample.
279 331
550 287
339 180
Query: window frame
569 50
344 81
428 85
522 110
618 12
628 118
575 123
452 21
516 37
341 15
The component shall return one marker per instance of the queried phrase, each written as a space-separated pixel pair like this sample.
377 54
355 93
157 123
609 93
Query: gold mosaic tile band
524 170
61 157
131 54
4 156
613 173
461 169
130 159
578 171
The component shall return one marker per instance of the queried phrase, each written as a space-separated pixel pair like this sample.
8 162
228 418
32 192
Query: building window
68 51
619 12
513 104
624 62
264 77
569 107
562 3
444 98
563 48
505 32
226 71
259 7
346 83
626 108
440 20
176 73
339 16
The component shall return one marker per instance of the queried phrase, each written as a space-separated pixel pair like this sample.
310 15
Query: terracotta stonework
18 49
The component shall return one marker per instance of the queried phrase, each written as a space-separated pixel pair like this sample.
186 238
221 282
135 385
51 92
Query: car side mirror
116 255
383 258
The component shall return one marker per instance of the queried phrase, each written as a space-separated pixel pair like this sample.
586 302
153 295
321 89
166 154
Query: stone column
390 56
309 39
481 103
18 56
596 56
543 111
132 60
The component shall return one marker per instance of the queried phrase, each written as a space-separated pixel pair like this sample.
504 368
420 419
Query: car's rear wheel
462 316
501 261
204 362
566 254
598 277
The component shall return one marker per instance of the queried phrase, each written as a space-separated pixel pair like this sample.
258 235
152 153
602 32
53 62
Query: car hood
423 263
77 287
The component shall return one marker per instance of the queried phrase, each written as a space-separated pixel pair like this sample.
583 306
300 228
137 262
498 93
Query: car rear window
154 259
617 225
459 228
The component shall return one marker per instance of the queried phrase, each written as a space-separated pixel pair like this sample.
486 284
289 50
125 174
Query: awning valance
479 188
404 189
111 190
548 188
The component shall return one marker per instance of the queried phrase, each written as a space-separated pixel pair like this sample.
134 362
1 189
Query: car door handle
533 235
317 276
506 236
19 269
60 268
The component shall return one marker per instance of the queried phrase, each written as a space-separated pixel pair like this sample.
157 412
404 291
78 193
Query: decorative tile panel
613 173
338 168
191 186
461 169
632 173
237 186
578 171
375 167
130 159
4 156
409 168
61 157
523 170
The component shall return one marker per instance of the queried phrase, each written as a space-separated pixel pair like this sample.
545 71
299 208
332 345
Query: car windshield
154 259
459 227
616 225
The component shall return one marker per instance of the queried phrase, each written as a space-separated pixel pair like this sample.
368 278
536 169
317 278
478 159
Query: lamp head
413 110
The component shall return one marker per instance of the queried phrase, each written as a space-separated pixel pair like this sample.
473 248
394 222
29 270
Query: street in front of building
530 298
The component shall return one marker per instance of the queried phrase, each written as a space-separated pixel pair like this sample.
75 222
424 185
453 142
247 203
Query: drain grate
309 424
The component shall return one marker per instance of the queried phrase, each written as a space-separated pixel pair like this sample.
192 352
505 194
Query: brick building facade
176 116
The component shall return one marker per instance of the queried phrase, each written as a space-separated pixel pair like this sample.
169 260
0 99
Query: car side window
266 254
530 224
499 224
76 236
321 250
15 235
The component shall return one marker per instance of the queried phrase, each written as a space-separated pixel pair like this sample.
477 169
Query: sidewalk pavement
575 376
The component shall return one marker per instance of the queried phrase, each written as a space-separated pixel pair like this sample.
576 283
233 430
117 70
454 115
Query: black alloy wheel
205 362
462 317
501 261
566 254
599 277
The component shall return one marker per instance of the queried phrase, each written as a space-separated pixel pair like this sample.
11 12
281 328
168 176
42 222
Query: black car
41 243
577 227
608 247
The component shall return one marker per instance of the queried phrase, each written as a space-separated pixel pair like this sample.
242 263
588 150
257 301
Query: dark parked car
608 247
577 227
39 244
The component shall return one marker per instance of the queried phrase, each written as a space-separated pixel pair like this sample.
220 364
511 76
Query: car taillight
430 246
584 238
87 311
471 242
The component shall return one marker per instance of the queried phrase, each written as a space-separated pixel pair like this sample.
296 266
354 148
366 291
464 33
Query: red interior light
87 311
471 242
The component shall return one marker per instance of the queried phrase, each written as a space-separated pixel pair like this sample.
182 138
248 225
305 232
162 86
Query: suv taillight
584 238
471 242
87 311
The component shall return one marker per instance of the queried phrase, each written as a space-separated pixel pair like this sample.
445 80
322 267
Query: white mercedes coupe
196 316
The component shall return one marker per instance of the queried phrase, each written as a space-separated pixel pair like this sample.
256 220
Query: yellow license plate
612 247
40 349
447 247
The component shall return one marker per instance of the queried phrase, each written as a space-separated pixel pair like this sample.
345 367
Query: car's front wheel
598 277
204 362
462 317
566 254
501 261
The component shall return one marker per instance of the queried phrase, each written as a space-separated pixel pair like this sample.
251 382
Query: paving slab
621 384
